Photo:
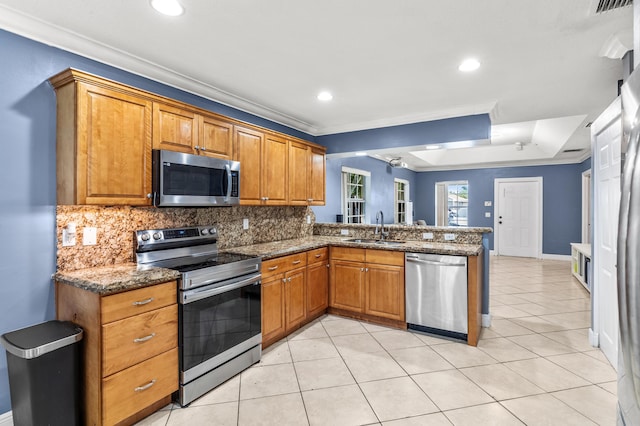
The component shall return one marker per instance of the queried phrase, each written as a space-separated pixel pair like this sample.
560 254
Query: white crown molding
44 32
460 111
496 165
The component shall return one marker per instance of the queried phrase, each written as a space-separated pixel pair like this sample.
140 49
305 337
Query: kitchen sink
371 241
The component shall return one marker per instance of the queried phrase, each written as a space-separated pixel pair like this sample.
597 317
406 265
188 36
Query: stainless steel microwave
187 180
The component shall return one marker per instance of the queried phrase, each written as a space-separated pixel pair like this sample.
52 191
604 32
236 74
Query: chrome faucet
380 228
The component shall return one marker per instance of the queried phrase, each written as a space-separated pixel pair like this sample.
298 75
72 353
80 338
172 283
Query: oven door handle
202 293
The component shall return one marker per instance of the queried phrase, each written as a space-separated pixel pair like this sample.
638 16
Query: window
401 199
355 191
452 202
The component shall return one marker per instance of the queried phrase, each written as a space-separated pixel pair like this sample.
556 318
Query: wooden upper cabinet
317 177
248 151
274 171
298 173
174 129
103 142
216 137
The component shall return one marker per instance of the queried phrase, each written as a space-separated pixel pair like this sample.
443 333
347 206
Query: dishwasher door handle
433 262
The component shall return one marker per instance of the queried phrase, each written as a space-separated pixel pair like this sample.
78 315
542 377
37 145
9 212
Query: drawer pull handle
145 387
273 268
145 338
318 255
143 302
295 262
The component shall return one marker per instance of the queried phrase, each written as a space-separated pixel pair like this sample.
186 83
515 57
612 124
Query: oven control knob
145 236
157 235
212 231
204 231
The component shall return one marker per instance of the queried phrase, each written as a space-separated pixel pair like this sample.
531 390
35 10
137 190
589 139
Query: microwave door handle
226 199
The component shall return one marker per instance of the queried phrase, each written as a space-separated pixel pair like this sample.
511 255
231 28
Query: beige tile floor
533 366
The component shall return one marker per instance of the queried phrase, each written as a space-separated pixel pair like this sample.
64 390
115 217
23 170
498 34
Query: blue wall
472 127
561 199
382 196
28 173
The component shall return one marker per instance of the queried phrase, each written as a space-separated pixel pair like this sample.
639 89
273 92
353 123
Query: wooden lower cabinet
317 282
368 284
294 298
273 323
130 349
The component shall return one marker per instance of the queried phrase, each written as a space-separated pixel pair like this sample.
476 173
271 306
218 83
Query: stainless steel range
219 305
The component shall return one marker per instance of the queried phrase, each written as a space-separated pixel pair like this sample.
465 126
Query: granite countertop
281 248
111 279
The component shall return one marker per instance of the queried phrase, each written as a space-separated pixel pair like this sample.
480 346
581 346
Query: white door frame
586 206
496 201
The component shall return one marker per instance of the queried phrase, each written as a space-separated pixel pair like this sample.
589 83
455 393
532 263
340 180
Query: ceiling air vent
607 5
568 151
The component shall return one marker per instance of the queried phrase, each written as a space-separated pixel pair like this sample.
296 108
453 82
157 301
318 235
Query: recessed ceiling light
469 65
432 147
361 154
168 7
325 96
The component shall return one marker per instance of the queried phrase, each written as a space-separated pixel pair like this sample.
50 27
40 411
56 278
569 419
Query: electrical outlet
449 237
89 236
245 223
487 203
427 235
69 235
344 232
308 219
487 214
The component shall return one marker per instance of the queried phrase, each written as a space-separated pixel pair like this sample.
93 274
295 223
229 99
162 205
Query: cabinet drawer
318 255
283 264
131 390
134 302
348 253
135 339
385 257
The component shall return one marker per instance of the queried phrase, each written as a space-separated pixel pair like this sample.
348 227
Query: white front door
607 138
518 217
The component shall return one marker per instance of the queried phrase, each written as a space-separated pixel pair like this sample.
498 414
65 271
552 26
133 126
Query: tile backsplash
115 226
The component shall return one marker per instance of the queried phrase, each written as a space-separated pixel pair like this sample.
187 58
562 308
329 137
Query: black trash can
44 373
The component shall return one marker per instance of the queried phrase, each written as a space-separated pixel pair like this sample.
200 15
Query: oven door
218 323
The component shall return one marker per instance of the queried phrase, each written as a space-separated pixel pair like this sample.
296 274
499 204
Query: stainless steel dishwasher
436 294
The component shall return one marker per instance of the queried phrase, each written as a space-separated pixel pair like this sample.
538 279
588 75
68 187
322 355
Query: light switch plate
344 232
449 237
487 214
427 235
89 236
487 203
308 219
245 223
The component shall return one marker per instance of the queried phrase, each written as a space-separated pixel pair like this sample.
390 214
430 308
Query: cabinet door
248 151
274 171
298 173
273 323
174 129
295 311
347 286
216 138
385 291
114 148
317 177
317 289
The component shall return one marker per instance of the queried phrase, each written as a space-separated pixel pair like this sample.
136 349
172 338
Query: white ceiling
544 73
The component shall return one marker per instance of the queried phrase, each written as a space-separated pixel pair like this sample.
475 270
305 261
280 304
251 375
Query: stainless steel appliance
194 180
219 319
629 259
436 294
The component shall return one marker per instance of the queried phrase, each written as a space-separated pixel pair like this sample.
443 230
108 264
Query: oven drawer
318 255
135 339
283 264
134 302
124 393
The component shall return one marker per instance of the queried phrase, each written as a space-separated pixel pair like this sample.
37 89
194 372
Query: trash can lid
31 342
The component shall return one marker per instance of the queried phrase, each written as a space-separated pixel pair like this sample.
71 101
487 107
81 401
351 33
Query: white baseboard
486 320
492 253
566 257
594 338
6 419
